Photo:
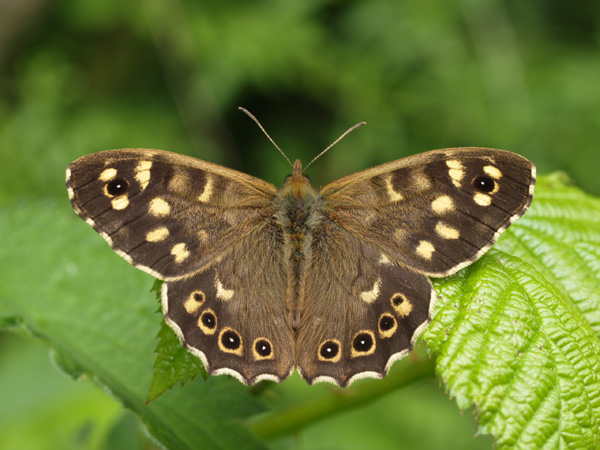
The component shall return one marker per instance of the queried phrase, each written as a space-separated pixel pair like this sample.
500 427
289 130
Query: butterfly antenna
360 124
249 114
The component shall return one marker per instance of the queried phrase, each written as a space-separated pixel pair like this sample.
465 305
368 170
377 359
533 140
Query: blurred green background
80 76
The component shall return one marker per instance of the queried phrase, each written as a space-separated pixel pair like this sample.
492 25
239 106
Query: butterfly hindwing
360 311
434 212
234 314
165 213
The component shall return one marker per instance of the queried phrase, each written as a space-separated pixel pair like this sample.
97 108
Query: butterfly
332 282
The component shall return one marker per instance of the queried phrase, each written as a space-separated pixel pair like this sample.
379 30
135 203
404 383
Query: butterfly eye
484 183
118 186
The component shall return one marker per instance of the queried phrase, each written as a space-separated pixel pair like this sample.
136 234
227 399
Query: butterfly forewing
438 211
166 213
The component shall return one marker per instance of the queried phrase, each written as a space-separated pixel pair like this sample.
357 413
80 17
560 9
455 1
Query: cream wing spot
446 231
222 293
371 295
442 204
120 202
401 304
180 252
493 172
69 188
157 235
208 190
392 193
159 207
108 174
425 249
142 173
193 303
482 199
456 172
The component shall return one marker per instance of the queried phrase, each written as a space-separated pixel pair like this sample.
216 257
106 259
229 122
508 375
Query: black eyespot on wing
263 347
117 187
231 340
362 342
483 183
329 349
386 322
209 320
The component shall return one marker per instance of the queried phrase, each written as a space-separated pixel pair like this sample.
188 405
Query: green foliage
173 363
78 77
517 335
105 327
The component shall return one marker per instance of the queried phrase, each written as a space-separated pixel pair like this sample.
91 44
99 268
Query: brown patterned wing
233 315
165 213
435 212
360 311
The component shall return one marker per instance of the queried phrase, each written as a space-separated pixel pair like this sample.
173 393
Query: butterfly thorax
298 213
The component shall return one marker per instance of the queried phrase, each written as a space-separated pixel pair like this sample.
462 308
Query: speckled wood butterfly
259 281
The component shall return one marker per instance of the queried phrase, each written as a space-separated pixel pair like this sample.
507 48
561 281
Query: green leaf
560 236
173 363
517 335
102 324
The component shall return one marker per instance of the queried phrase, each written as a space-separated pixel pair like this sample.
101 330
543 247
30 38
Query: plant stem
292 420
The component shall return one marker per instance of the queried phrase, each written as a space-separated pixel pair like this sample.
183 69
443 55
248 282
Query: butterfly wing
233 315
360 312
165 213
208 232
435 212
367 295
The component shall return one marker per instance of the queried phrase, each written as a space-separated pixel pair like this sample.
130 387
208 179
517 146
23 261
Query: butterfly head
297 179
